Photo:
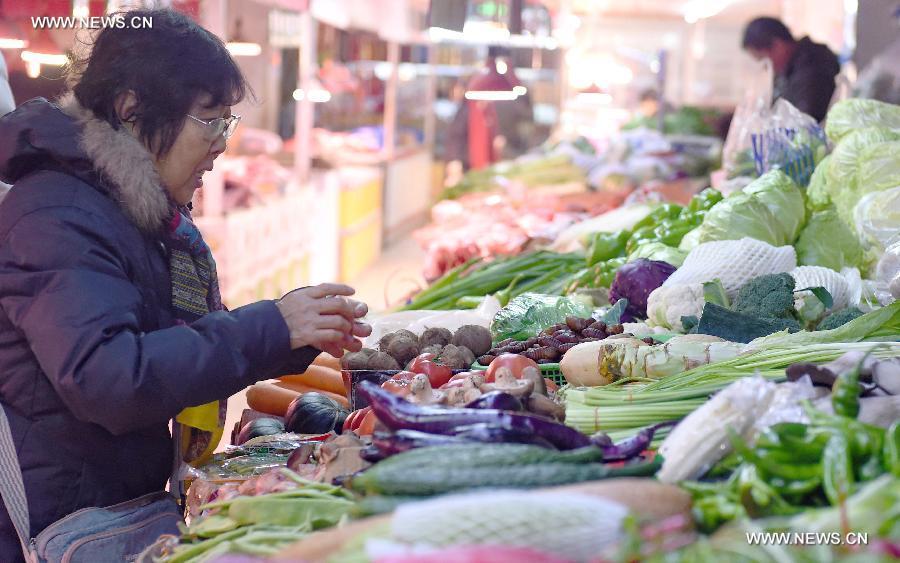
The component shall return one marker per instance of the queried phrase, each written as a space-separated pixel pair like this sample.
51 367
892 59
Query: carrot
269 398
301 388
326 360
319 377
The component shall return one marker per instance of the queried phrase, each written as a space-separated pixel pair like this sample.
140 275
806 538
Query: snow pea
837 470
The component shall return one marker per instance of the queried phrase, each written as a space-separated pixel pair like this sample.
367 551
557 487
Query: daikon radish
319 377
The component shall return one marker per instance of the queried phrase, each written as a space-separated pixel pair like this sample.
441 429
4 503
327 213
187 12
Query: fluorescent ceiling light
243 49
594 98
520 90
501 66
10 43
43 58
491 95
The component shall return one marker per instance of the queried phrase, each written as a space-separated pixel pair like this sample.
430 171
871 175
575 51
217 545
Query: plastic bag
887 274
530 313
786 138
737 155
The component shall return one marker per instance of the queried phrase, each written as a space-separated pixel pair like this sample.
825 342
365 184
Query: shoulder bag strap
12 488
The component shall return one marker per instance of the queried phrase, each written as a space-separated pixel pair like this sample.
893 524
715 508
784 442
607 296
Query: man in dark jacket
804 70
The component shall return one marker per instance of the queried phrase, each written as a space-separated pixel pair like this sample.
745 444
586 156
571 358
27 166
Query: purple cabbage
635 281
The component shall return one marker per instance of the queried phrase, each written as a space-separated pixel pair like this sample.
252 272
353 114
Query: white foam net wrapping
733 262
568 525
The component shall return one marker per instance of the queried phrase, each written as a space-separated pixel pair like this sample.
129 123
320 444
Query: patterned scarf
195 293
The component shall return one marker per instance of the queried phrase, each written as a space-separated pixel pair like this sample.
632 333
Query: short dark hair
762 32
167 66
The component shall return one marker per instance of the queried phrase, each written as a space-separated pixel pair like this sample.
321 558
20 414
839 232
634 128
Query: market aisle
395 273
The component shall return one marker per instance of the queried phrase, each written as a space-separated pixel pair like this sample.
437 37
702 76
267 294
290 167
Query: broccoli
767 297
840 318
763 305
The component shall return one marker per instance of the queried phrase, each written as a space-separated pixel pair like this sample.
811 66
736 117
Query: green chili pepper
891 449
758 498
764 461
605 246
837 470
713 511
796 487
845 394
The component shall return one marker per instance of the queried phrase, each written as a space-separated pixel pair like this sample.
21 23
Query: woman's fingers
361 330
335 306
329 289
336 322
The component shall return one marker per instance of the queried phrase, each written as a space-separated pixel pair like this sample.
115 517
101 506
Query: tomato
396 386
403 376
415 365
514 362
367 425
352 420
438 374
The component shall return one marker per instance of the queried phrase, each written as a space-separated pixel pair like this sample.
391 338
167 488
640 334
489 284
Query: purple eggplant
632 447
499 434
392 443
497 400
399 414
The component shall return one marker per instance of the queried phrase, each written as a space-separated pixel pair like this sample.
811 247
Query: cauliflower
667 304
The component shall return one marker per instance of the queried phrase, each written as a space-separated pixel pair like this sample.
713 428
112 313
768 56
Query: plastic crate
549 371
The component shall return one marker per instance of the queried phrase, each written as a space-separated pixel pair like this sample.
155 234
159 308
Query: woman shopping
111 321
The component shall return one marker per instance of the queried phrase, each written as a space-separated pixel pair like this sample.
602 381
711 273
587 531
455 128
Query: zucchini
449 477
488 455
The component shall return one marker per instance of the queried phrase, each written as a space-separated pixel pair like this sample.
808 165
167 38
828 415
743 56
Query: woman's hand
322 317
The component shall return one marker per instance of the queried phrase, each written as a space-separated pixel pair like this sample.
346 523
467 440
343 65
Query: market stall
682 376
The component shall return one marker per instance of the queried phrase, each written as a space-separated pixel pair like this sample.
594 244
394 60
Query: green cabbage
741 215
847 116
783 198
691 240
879 168
848 162
828 241
817 196
655 250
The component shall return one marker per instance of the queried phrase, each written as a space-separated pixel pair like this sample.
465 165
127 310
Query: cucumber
488 455
448 477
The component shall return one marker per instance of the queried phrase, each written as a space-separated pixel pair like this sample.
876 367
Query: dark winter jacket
808 82
92 366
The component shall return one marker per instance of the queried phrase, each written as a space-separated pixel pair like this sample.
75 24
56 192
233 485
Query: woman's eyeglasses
219 126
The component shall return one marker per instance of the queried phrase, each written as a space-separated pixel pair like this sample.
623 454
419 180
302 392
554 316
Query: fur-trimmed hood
67 137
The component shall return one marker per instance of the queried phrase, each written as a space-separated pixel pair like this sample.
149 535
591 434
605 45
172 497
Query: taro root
357 360
549 341
382 361
453 357
532 341
435 336
577 325
475 338
385 342
469 355
599 325
566 347
486 360
516 347
649 341
403 349
593 333
435 349
615 329
542 353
